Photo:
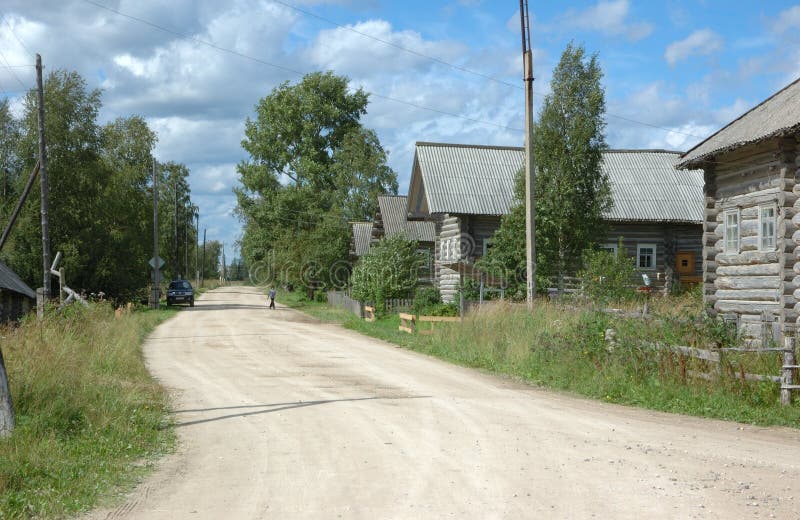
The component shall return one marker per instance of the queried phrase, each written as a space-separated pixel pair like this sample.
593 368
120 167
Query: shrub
607 276
441 309
426 297
390 270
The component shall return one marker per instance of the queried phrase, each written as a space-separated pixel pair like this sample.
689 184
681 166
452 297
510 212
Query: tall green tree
312 168
175 204
572 192
127 144
10 164
100 191
76 176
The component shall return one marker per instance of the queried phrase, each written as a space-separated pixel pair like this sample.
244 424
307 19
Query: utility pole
186 271
43 183
224 276
203 267
176 274
530 172
197 246
156 293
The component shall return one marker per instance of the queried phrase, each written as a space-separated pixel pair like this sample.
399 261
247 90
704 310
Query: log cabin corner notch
751 217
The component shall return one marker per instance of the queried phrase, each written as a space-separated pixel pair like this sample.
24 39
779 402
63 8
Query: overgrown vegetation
390 270
572 191
559 347
87 411
100 193
607 277
312 168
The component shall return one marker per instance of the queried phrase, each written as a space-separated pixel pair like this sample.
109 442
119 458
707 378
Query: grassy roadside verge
90 418
563 349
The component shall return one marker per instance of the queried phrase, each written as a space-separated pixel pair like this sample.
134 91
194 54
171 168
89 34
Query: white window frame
736 212
761 245
487 242
450 249
639 248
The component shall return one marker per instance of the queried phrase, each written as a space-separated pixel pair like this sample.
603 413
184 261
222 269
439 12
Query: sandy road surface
281 417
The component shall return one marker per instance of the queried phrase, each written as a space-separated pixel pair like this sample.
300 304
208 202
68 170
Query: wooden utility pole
530 173
176 274
187 273
43 182
197 246
224 275
156 293
203 266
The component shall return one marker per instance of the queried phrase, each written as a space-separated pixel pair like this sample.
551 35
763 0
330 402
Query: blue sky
675 71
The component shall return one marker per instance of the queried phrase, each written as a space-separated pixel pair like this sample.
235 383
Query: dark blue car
180 291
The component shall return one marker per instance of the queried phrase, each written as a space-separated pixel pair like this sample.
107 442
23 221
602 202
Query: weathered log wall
669 239
448 229
757 288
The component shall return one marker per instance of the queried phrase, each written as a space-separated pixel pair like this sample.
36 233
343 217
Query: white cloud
787 20
609 17
348 52
701 42
687 136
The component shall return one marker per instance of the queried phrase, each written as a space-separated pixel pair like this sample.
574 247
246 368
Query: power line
14 34
287 69
397 46
11 69
388 98
460 68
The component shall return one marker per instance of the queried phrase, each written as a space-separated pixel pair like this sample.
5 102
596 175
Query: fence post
789 364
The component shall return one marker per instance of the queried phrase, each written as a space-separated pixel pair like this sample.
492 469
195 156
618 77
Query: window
487 245
450 249
610 248
646 256
766 227
732 231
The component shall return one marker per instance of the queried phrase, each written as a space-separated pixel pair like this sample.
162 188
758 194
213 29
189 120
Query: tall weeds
87 410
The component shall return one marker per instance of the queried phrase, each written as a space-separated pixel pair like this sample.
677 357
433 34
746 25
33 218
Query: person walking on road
271 297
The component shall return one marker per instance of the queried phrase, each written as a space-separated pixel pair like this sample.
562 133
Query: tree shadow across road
277 407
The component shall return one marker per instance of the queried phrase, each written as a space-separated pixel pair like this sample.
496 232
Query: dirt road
282 417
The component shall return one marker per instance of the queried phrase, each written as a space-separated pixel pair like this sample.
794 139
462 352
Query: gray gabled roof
362 235
468 179
645 186
394 215
9 280
777 115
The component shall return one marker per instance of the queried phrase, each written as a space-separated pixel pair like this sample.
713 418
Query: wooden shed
466 189
750 239
16 298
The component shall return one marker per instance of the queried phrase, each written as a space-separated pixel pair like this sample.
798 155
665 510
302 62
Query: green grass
565 349
90 418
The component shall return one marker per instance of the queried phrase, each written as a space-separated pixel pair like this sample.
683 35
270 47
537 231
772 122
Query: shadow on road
277 407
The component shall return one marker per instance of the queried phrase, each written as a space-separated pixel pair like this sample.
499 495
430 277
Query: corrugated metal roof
479 180
9 280
362 235
779 114
469 179
394 214
646 187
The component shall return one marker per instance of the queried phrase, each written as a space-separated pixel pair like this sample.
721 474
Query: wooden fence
342 299
714 360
